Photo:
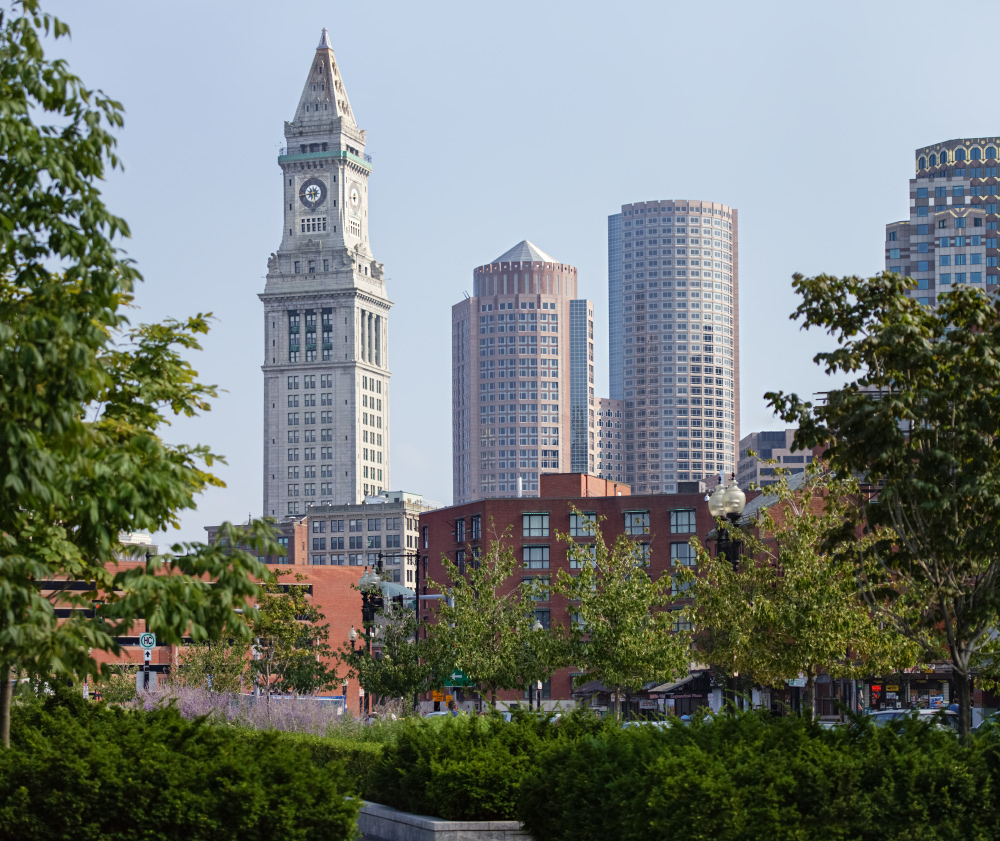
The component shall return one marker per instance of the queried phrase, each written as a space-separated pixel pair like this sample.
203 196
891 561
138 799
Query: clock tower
326 372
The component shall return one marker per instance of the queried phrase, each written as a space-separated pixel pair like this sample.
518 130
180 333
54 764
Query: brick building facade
665 522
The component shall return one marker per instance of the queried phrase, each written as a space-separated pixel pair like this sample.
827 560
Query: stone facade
611 439
326 367
385 525
679 357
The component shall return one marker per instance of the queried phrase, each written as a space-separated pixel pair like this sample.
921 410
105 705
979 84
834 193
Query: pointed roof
324 96
525 252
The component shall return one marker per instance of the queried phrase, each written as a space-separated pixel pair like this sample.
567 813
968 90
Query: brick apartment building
666 522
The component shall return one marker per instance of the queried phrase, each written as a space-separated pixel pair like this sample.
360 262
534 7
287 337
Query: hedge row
754 777
87 771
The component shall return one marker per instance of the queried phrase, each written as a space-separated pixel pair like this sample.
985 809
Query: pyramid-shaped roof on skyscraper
525 252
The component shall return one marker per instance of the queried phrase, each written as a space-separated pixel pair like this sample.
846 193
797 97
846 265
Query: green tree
622 631
399 671
919 418
83 395
291 643
793 606
220 666
486 625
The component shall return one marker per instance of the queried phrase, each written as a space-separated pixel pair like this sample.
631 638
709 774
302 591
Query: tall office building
581 389
611 439
679 360
951 235
326 367
514 375
615 380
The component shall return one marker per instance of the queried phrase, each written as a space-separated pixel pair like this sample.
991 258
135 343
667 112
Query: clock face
312 193
354 196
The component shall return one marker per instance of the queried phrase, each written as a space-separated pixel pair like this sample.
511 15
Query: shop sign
799 681
892 688
647 705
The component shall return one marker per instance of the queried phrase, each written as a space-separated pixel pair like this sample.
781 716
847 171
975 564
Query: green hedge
361 760
754 777
87 771
466 767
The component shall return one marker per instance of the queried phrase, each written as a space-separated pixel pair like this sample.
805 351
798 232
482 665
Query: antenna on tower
467 296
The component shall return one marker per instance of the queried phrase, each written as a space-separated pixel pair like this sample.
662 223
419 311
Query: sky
493 123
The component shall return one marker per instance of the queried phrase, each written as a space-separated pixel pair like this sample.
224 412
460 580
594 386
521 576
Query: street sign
458 678
437 695
147 640
449 698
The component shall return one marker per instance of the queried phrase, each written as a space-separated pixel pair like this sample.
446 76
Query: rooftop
525 252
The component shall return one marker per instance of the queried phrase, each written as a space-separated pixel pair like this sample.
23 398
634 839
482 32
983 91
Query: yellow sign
892 689
437 695
449 698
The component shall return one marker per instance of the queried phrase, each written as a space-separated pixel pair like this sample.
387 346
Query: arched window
944 157
933 160
976 154
960 154
922 163
991 152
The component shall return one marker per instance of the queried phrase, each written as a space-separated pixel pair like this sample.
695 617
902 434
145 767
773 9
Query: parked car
945 719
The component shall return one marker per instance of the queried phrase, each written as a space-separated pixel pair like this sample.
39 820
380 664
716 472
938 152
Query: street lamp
728 502
372 602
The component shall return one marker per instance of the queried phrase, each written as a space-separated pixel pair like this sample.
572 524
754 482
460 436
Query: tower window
312 223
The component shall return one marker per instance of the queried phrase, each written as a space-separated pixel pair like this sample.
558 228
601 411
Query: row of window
372 541
974 154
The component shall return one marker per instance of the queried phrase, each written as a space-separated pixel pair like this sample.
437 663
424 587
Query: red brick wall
331 591
566 485
499 514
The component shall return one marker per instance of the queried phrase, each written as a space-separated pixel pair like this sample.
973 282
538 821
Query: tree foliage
485 628
291 643
220 666
84 395
919 418
622 631
793 606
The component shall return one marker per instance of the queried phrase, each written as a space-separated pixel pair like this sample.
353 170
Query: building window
585 554
536 557
535 525
682 554
460 531
682 522
582 525
477 527
636 522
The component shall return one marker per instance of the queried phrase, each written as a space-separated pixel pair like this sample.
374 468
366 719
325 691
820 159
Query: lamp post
728 502
353 637
372 601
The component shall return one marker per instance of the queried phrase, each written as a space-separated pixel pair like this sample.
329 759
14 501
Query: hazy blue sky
493 123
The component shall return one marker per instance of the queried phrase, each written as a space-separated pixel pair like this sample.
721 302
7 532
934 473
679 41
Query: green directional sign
147 640
458 678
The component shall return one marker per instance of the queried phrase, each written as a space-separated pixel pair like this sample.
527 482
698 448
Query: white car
945 719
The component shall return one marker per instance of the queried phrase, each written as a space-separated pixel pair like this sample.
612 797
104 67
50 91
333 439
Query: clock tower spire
326 312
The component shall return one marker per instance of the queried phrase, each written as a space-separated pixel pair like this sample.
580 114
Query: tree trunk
963 688
6 692
618 703
809 699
